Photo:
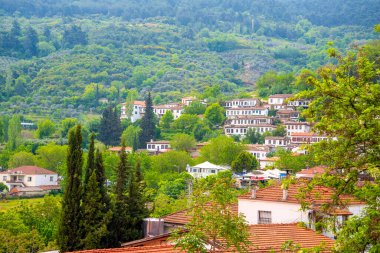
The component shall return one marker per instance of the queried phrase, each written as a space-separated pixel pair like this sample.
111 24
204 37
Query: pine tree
136 208
118 228
148 123
69 228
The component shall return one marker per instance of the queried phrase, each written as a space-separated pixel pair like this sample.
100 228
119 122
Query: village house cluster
244 115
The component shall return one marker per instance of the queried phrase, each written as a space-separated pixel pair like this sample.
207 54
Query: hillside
90 50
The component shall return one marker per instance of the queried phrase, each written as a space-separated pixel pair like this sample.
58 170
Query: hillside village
242 115
199 126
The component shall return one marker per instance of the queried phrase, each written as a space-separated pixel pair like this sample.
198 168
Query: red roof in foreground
183 217
318 195
29 170
263 238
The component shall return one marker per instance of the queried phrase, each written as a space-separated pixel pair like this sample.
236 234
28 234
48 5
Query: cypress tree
116 128
148 123
96 215
90 165
118 231
110 127
105 130
136 208
69 228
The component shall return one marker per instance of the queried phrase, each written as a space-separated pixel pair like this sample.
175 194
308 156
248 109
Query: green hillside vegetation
64 61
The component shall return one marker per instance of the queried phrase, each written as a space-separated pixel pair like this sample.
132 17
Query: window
29 179
213 171
265 217
51 178
4 178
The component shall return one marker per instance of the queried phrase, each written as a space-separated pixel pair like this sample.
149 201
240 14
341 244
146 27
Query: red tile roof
263 238
313 171
319 195
281 96
29 170
183 217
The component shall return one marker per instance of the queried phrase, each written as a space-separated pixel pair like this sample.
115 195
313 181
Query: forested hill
209 12
66 58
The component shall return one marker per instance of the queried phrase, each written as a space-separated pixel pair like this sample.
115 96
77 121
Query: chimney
284 194
254 193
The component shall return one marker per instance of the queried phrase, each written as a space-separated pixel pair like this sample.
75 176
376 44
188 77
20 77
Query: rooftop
318 195
281 96
263 238
29 170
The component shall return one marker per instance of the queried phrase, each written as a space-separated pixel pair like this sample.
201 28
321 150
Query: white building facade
28 176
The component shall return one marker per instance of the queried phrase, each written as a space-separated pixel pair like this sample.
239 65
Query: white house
28 176
277 101
258 150
274 204
259 111
306 138
243 102
158 146
160 110
242 130
249 120
297 127
204 169
276 141
138 110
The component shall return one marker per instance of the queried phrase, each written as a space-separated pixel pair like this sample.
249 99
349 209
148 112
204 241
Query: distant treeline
318 12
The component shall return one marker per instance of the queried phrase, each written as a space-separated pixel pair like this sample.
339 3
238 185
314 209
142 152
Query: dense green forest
66 58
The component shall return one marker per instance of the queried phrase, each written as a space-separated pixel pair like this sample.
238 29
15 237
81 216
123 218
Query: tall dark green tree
110 127
14 36
90 165
30 42
69 236
148 123
97 214
120 220
74 36
136 208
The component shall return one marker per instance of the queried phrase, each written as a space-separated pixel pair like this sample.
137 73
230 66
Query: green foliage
182 142
345 105
221 150
21 158
215 114
3 187
272 83
14 133
167 119
118 227
195 107
131 136
212 217
287 161
66 125
74 35
186 123
51 157
244 162
45 129
69 227
148 123
253 137
110 128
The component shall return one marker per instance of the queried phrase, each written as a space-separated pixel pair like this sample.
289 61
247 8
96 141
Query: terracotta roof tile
183 217
319 195
263 238
29 170
281 96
